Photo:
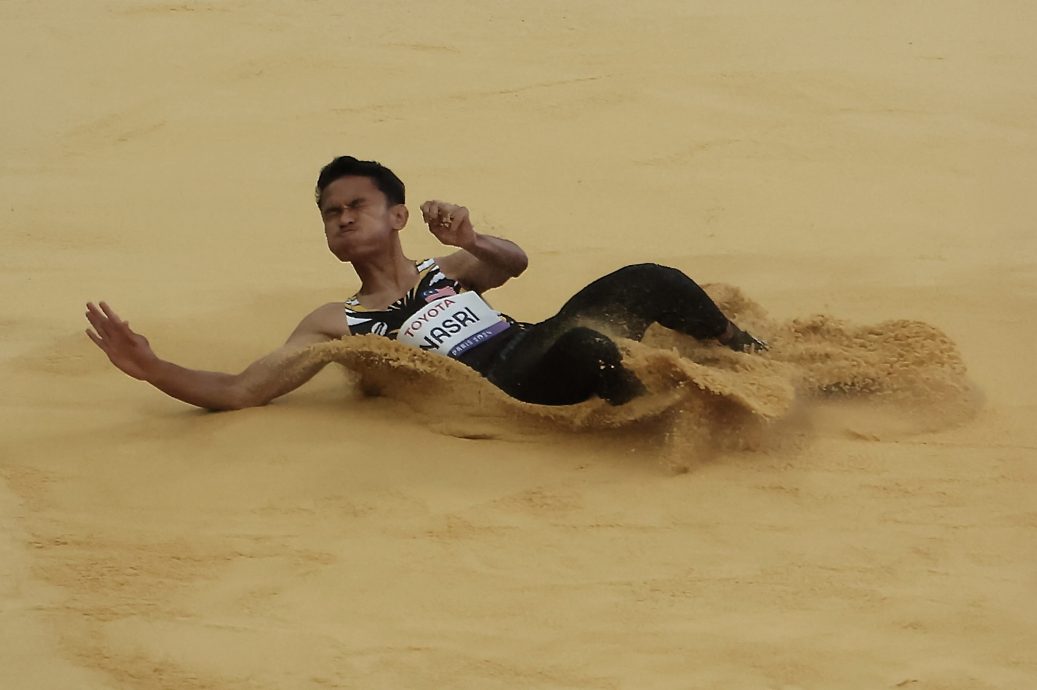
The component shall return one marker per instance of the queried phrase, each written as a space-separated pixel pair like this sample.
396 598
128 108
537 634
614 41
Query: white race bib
452 325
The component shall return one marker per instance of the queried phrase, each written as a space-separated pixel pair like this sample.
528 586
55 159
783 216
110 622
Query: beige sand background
872 161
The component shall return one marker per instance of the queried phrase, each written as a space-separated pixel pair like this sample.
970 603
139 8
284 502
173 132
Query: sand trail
904 368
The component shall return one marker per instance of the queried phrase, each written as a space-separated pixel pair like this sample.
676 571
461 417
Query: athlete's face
358 220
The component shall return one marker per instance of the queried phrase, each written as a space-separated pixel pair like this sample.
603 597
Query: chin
347 255
342 250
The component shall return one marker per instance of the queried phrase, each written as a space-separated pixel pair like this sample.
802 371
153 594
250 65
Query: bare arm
279 372
484 261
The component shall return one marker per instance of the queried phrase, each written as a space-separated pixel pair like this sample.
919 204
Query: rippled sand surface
853 509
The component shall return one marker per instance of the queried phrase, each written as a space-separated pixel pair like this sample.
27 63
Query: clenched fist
450 223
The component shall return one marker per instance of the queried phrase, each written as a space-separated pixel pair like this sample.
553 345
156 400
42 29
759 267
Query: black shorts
566 359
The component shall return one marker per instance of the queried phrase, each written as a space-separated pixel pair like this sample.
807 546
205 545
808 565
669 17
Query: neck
386 276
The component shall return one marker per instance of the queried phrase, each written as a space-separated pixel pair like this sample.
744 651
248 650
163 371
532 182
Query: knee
648 275
583 344
650 271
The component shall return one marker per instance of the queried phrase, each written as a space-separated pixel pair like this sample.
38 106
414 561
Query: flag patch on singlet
433 295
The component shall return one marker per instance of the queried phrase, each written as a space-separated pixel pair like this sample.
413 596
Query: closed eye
332 211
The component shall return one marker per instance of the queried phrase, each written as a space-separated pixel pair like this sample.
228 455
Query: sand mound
892 377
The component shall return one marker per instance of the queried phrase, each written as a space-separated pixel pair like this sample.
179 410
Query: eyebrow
328 207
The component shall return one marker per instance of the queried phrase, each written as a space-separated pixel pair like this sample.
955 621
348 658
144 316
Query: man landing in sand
436 304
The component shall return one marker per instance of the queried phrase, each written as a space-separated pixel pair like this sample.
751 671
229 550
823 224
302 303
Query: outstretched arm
484 261
281 371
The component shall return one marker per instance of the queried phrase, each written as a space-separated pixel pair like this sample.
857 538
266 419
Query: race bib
452 325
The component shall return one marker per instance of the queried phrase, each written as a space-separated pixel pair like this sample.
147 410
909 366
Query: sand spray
822 374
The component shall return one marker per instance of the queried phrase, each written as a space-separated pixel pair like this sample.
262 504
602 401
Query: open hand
127 350
449 223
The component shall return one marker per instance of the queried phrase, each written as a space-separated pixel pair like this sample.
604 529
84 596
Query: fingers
93 336
106 322
434 212
458 219
440 213
97 319
428 211
110 313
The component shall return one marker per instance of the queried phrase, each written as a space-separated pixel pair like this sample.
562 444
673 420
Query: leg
634 297
560 361
574 366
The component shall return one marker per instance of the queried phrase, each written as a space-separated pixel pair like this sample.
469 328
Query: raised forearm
499 253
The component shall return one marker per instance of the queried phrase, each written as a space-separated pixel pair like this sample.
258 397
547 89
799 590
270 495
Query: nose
346 217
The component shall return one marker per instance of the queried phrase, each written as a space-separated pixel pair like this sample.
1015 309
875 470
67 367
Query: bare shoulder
326 322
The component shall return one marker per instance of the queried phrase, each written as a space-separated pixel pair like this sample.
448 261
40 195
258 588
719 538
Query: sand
854 509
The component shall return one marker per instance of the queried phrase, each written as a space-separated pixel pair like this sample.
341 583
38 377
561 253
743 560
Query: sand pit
853 509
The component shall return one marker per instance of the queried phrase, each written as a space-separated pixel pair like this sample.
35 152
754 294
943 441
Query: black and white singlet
437 314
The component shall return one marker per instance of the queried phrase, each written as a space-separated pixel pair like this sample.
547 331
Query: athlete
437 305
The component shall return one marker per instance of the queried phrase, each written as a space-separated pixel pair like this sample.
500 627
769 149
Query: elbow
521 264
233 405
250 400
230 405
240 397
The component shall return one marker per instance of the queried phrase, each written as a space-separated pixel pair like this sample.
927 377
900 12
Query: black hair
347 166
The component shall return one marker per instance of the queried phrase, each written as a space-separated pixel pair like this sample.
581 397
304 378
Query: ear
398 216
